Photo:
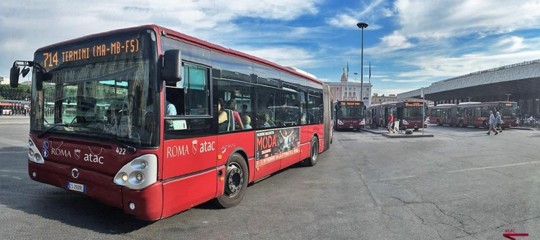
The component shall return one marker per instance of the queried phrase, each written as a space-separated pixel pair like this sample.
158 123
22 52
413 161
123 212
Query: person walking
498 122
491 123
390 122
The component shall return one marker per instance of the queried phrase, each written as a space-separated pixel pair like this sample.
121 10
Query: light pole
362 25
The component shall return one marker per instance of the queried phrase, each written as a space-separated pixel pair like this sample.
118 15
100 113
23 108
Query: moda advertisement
272 145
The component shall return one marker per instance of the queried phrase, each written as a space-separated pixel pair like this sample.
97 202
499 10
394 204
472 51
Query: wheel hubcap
235 179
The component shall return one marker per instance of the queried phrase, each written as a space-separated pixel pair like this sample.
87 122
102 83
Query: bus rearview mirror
14 76
171 70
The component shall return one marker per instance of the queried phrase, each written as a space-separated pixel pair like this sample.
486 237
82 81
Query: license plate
76 187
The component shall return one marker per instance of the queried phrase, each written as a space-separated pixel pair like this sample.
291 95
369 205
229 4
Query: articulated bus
474 114
409 114
349 115
100 122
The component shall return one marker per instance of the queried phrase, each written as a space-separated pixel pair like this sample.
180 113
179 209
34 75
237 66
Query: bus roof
195 41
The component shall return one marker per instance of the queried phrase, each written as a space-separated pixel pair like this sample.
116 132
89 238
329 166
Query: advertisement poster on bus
272 145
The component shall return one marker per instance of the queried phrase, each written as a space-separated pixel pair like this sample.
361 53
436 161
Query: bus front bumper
145 204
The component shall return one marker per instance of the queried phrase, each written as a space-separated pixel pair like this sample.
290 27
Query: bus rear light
33 153
140 173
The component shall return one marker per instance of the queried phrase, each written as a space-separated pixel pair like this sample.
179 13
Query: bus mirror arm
15 71
171 66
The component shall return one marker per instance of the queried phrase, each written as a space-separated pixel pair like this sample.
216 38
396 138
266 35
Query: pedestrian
498 122
491 123
390 122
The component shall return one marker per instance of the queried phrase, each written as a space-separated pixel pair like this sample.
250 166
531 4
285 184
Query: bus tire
484 124
461 123
236 181
314 153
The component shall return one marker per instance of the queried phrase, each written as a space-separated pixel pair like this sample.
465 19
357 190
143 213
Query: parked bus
408 112
442 114
117 144
474 114
349 115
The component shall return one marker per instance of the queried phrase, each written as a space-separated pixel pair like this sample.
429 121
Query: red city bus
349 115
159 122
476 114
408 112
441 114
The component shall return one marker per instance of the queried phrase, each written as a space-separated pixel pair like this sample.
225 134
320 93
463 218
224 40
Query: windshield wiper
51 128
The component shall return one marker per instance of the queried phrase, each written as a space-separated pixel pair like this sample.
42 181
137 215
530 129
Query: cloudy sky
410 43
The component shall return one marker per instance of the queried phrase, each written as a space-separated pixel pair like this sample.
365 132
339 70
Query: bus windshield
350 110
98 88
412 112
508 109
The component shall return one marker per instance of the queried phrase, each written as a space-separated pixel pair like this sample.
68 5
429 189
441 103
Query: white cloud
32 24
387 91
285 56
449 18
343 21
511 44
416 80
395 41
446 67
372 12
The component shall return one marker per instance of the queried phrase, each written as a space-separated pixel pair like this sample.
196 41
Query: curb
388 135
406 135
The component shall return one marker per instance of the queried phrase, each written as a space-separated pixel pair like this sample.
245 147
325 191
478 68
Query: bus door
399 116
469 116
190 146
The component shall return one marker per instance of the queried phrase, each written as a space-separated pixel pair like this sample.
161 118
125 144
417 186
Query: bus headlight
140 173
405 122
33 153
339 122
363 122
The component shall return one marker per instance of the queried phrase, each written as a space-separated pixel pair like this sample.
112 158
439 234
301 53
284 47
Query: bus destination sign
349 103
413 104
52 59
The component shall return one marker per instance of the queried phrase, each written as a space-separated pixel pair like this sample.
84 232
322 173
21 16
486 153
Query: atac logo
93 157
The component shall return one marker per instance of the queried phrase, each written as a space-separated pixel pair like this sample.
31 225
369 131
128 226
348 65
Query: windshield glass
98 88
508 109
350 111
412 112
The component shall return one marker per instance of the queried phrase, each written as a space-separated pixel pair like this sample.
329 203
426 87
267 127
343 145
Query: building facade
348 90
376 99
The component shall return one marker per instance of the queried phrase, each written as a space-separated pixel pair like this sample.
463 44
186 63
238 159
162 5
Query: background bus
349 115
407 112
99 124
474 114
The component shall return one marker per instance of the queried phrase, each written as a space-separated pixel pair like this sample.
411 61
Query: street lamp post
362 25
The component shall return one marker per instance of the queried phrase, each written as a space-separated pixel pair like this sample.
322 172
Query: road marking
490 167
397 178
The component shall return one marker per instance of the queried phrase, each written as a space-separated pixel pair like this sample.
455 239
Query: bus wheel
314 152
236 180
484 124
461 123
439 123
